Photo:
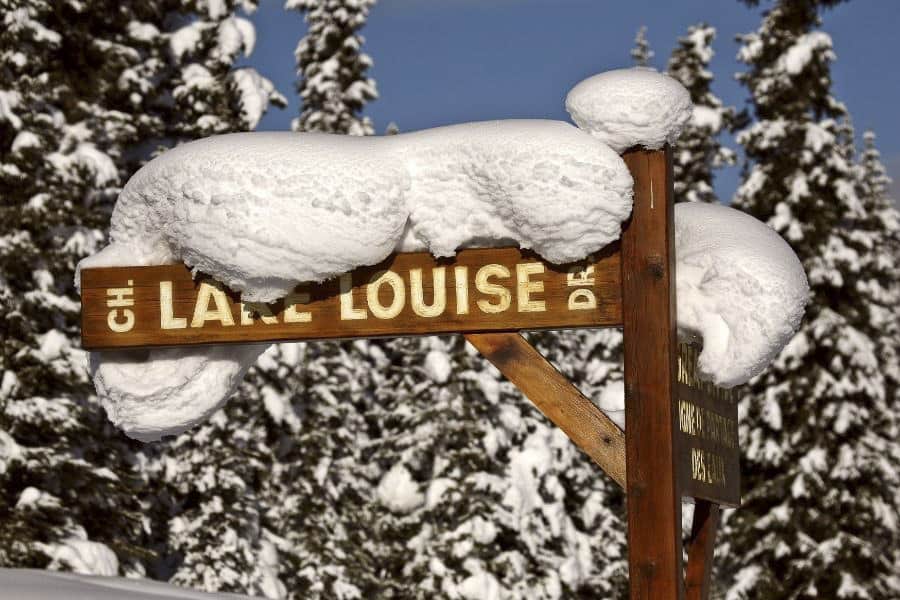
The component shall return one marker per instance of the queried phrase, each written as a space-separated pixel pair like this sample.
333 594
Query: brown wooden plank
527 293
648 302
557 398
701 550
709 460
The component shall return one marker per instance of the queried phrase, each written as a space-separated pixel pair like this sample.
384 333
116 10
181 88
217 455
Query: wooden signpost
407 294
682 432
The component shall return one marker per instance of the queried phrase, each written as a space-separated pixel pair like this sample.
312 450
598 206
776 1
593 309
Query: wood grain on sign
648 303
708 451
501 289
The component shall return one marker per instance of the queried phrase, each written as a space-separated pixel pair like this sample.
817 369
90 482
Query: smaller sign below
707 429
499 289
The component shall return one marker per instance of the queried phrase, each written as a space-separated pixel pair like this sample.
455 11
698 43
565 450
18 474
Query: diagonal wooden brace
557 398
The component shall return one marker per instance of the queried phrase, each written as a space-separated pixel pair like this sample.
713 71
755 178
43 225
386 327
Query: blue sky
448 61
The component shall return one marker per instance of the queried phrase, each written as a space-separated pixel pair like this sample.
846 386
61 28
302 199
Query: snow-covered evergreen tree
208 503
473 491
289 449
405 469
641 53
699 151
819 518
881 285
883 262
218 533
331 67
87 90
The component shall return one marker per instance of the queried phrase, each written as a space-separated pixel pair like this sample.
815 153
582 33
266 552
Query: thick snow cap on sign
538 184
631 107
740 288
262 212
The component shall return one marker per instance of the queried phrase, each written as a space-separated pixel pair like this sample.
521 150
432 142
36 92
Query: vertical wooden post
700 551
648 306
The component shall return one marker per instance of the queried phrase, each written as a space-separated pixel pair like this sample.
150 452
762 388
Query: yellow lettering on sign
578 276
119 298
395 282
120 327
417 293
461 281
701 422
249 310
526 287
707 467
291 314
167 318
202 313
348 313
688 375
483 285
581 299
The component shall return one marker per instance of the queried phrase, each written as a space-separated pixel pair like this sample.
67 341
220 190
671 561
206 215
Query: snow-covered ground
33 584
262 212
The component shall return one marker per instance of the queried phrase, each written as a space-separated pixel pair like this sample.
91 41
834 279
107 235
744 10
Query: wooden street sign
502 289
681 432
708 452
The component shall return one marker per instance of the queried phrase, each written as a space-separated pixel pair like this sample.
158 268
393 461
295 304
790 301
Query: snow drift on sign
262 212
740 289
161 391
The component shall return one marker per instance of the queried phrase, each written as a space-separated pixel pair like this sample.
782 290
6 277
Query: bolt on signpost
681 432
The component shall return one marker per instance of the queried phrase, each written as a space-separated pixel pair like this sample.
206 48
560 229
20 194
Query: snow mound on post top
262 212
631 107
740 288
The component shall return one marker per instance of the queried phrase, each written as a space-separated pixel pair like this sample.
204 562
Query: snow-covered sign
206 234
487 289
708 451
